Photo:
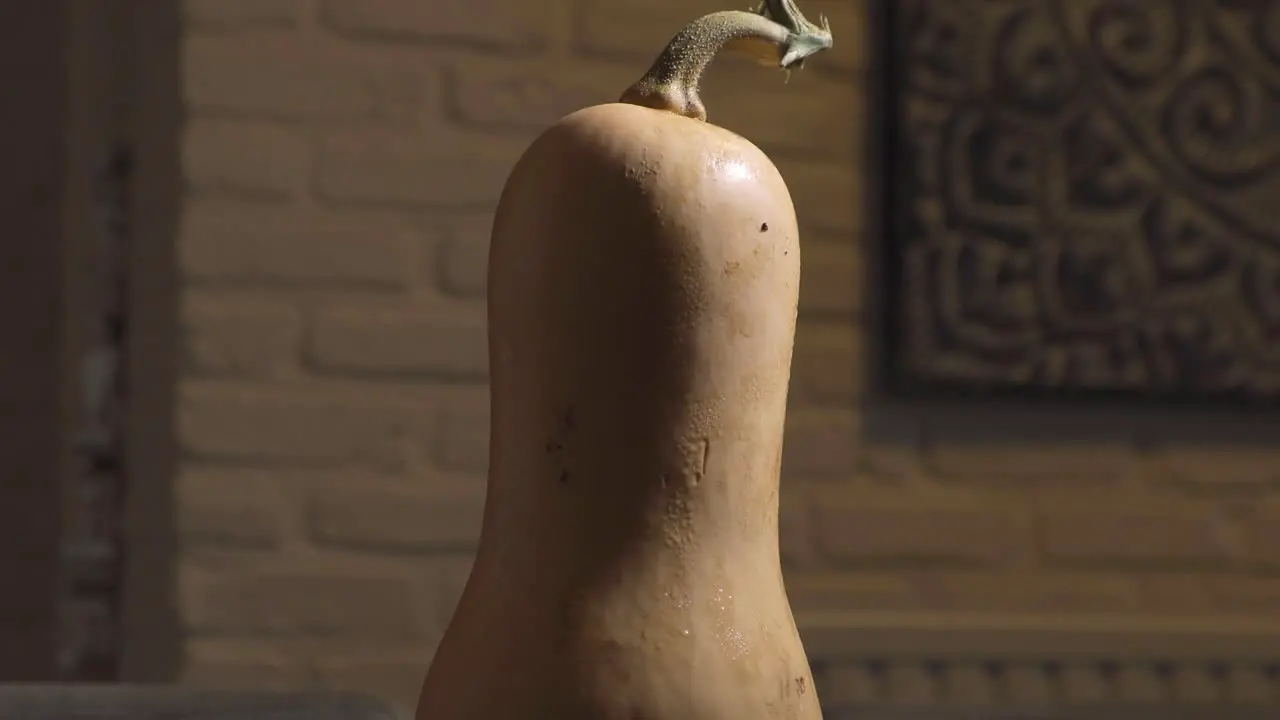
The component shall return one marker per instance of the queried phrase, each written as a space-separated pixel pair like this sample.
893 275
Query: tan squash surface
643 280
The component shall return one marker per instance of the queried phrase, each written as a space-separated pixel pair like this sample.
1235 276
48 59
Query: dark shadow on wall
151 641
32 69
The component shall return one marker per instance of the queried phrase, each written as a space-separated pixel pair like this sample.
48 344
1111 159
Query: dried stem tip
775 32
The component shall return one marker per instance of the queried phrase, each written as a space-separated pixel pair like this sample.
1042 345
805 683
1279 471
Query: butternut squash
643 278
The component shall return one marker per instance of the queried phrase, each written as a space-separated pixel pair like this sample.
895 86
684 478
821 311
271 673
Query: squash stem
776 32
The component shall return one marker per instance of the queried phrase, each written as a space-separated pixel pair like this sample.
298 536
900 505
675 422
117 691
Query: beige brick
242 14
395 678
1151 534
233 507
827 195
292 425
1031 592
860 527
464 257
1027 684
1176 593
236 335
444 341
1260 531
902 682
633 29
244 158
415 519
851 32
794 539
1191 684
1032 461
240 664
282 245
519 95
970 682
827 365
844 684
821 442
290 76
840 592
831 279
894 460
803 114
1250 596
461 439
508 25
1218 466
1249 683
381 169
306 601
1082 682
913 683
451 574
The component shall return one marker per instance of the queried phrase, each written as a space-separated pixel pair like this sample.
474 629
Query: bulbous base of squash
643 283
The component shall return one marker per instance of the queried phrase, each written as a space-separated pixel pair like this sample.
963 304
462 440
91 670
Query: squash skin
643 285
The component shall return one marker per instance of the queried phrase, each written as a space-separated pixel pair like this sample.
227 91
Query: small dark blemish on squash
554 447
764 227
801 685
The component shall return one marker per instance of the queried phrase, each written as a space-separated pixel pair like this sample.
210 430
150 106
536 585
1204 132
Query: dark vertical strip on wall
151 644
33 73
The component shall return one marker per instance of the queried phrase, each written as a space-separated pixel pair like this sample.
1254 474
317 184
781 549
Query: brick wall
342 158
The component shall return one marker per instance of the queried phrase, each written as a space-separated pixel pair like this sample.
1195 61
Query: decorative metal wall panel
990 667
1085 196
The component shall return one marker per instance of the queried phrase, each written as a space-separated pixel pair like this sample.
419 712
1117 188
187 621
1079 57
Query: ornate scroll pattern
1090 195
